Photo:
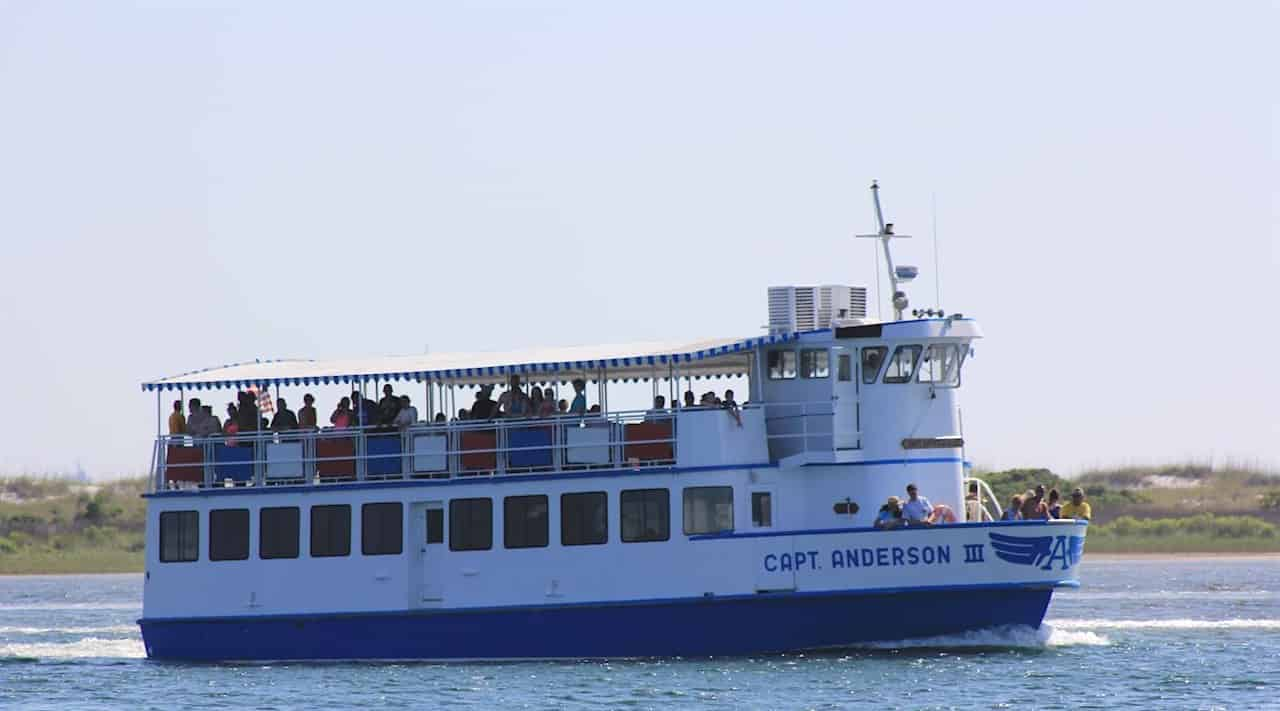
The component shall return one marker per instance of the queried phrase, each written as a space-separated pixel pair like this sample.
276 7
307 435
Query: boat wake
1175 624
84 648
1007 637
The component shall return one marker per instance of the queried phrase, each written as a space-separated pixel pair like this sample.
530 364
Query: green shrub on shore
1201 533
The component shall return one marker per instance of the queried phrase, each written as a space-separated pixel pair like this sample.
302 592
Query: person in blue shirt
579 405
917 511
890 515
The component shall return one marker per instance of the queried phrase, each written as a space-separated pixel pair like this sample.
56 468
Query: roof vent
808 308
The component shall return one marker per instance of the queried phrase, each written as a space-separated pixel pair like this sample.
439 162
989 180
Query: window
815 363
278 532
872 359
902 365
646 515
708 509
524 522
382 529
844 367
584 519
782 365
762 509
435 525
229 534
470 524
330 531
941 365
179 536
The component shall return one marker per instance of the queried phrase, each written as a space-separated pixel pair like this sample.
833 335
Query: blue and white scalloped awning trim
626 362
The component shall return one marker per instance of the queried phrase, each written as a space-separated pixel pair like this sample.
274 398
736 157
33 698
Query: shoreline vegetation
55 525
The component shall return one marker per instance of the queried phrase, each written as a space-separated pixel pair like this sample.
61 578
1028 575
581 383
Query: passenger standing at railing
197 426
548 408
284 419
407 415
389 406
484 408
341 417
513 402
535 401
233 424
658 411
248 418
690 400
362 411
579 406
307 413
213 425
562 407
731 406
177 423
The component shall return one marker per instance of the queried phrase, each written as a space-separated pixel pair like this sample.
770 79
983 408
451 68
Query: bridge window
470 524
382 529
278 532
941 365
815 363
762 507
229 534
708 509
872 359
646 515
524 522
179 536
330 531
782 365
584 519
903 364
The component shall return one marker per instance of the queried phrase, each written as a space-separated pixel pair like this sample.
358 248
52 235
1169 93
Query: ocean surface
1175 633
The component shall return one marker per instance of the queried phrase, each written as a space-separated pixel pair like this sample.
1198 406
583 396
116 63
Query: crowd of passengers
397 411
1033 505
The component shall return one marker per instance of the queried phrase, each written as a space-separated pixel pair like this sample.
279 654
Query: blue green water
1199 633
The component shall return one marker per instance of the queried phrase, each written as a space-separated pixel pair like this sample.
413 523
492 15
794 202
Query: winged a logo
1022 550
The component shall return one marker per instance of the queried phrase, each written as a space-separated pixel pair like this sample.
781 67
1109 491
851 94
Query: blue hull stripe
765 623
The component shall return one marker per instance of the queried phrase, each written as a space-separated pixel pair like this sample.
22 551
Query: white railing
985 494
463 448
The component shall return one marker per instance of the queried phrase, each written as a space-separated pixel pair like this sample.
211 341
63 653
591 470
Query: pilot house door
844 400
428 534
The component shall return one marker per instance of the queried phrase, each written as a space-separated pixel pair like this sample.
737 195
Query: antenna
897 275
937 270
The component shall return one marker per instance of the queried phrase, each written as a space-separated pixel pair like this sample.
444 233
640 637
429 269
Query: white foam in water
1010 636
110 629
1178 624
86 648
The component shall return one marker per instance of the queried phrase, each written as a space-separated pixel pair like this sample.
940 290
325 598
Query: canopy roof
631 361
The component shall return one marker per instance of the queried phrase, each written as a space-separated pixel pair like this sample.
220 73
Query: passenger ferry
670 531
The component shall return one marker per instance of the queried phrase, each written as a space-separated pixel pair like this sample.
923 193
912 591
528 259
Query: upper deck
853 392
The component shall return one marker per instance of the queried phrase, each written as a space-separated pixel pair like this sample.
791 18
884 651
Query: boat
676 530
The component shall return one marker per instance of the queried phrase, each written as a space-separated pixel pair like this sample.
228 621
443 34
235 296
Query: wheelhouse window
382 528
179 536
646 515
470 524
584 519
941 364
902 366
782 365
524 522
872 360
278 532
229 534
708 509
331 531
815 363
761 509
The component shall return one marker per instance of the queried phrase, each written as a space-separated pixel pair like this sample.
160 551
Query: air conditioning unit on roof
808 308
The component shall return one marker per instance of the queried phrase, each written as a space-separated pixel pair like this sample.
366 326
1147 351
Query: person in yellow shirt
1077 507
177 423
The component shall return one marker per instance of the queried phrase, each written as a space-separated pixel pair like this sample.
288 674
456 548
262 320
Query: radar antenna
898 275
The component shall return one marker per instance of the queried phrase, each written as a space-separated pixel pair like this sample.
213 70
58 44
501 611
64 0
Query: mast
897 275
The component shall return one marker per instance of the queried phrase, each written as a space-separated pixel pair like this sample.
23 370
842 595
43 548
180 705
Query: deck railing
467 448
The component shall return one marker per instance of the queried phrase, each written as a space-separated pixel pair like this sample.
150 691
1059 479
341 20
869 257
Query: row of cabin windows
646 516
939 364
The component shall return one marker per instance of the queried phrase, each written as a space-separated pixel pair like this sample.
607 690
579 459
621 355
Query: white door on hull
428 536
844 400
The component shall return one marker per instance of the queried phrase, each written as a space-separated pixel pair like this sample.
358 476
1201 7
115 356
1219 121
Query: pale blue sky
184 185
